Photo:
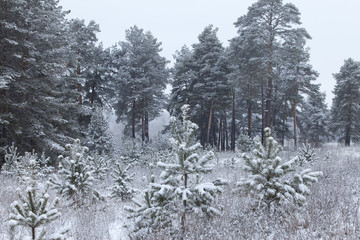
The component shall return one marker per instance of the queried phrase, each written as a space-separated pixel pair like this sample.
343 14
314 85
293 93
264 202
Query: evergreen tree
98 138
140 80
270 23
268 179
345 111
181 189
314 119
121 179
77 179
33 210
306 154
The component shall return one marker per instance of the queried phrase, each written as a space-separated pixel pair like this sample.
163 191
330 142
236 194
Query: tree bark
146 121
295 135
233 127
262 114
142 120
133 119
209 124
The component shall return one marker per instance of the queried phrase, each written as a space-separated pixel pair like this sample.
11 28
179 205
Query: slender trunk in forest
249 103
133 119
219 137
283 125
270 77
78 72
232 134
6 10
262 114
226 134
209 124
183 217
295 135
142 120
201 127
347 136
146 121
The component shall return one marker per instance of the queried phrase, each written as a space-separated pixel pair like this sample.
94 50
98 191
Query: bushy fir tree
181 189
33 210
77 179
121 179
268 177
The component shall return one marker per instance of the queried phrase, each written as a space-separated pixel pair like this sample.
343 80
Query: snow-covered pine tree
99 165
306 154
181 189
97 137
11 160
121 179
33 210
268 177
152 213
77 179
345 111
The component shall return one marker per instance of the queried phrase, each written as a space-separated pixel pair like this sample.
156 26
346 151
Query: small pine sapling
121 179
306 154
11 160
181 189
268 178
152 213
77 179
99 165
33 210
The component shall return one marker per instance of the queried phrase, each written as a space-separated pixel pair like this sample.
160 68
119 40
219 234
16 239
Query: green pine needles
181 189
33 210
269 178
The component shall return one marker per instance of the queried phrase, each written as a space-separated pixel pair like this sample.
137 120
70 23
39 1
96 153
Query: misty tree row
55 77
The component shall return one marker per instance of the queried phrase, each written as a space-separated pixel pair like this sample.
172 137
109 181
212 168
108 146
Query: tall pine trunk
146 121
295 135
133 119
262 114
233 127
209 124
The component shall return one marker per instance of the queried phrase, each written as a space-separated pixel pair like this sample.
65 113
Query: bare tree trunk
142 120
133 119
233 127
5 33
283 125
262 114
183 217
295 135
146 121
209 124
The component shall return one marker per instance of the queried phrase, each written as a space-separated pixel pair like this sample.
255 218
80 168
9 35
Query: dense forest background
57 81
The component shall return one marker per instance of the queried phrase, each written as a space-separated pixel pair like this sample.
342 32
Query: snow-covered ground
331 212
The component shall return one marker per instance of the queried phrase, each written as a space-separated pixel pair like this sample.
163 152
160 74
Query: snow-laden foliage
76 175
306 154
122 179
181 190
33 210
19 166
98 138
99 164
245 143
11 160
268 177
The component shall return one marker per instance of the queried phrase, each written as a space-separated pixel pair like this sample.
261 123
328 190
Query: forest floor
331 211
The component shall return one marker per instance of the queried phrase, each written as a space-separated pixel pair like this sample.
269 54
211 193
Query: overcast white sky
333 25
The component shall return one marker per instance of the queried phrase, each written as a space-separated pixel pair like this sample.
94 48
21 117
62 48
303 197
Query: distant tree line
55 76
